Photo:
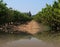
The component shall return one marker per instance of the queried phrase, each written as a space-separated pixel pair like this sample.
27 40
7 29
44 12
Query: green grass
48 36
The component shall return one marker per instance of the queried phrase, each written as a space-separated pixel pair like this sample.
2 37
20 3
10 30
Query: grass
48 36
45 36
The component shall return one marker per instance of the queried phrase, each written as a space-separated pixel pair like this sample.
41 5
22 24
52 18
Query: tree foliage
8 15
50 15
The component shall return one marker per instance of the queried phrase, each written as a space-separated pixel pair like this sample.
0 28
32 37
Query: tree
3 12
8 15
50 16
29 14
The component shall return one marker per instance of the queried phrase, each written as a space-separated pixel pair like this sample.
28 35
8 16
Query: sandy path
31 27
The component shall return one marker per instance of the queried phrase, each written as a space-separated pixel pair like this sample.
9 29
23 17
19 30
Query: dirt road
31 27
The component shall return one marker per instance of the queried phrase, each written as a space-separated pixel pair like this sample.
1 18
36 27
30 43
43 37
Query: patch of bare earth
31 27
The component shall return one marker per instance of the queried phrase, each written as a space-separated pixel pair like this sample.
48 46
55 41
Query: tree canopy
50 15
9 15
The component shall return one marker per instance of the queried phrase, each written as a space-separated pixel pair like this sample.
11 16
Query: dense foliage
50 15
8 15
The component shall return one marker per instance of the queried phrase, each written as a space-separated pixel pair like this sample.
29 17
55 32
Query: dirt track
31 27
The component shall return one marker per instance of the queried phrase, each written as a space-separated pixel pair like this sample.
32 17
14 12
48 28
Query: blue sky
28 5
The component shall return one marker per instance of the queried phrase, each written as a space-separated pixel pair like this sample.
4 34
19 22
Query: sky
34 6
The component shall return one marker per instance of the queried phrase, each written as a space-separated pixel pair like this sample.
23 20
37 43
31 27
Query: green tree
50 16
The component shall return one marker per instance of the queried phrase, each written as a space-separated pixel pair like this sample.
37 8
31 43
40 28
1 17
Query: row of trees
50 15
8 15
